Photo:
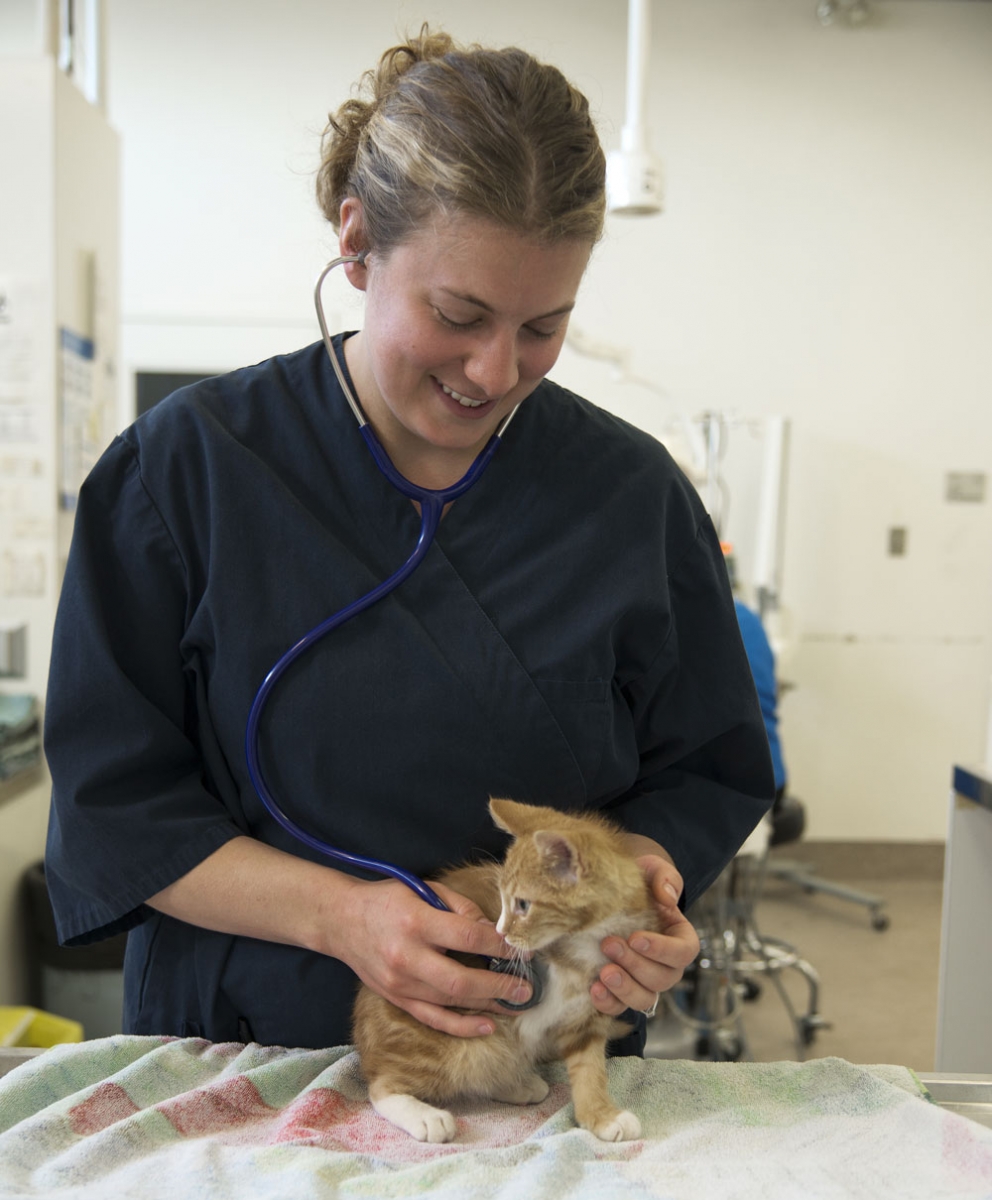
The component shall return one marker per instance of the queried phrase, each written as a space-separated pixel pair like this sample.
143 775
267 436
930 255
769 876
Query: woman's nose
492 365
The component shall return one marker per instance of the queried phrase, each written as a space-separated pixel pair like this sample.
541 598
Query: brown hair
489 133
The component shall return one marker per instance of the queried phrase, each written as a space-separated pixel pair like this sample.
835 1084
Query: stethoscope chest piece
534 971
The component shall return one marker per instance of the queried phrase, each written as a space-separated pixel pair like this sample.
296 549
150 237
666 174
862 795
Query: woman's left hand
648 963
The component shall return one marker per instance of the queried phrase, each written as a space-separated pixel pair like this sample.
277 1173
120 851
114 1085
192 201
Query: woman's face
462 321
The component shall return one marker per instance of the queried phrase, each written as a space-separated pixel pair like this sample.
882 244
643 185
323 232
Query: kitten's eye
520 907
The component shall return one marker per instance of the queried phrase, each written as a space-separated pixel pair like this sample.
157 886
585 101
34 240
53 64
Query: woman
568 640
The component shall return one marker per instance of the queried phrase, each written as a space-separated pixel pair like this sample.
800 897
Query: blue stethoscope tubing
432 502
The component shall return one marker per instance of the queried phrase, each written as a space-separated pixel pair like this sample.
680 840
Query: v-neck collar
475 522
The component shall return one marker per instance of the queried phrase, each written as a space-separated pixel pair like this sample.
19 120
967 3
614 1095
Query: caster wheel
719 1048
880 922
730 1050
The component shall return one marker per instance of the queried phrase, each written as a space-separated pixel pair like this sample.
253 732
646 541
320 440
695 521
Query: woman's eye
463 326
520 907
446 320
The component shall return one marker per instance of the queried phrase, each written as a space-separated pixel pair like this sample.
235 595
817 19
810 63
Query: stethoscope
432 502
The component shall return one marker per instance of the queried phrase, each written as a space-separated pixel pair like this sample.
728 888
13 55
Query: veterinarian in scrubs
569 640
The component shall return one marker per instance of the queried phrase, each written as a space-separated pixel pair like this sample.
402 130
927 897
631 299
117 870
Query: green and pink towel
162 1119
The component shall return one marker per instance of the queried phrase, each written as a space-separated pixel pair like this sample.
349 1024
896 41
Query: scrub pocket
172 977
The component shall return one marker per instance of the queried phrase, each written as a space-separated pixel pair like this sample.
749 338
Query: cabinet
964 1031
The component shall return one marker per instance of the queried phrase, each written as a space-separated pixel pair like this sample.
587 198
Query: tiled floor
878 990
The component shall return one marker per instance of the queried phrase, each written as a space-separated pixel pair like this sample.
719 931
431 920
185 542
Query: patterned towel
161 1119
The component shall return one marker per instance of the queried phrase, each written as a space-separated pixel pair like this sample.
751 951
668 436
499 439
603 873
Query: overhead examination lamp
633 173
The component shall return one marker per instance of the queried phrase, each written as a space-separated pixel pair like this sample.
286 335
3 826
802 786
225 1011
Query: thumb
663 878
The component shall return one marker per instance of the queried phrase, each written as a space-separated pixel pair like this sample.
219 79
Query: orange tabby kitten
566 883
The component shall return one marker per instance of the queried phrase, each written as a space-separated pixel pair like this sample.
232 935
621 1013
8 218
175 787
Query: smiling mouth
464 401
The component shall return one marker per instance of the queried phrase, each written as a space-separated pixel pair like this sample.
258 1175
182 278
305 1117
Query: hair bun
426 47
491 133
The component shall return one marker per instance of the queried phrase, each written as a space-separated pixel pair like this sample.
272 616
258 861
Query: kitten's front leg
594 1108
420 1120
530 1089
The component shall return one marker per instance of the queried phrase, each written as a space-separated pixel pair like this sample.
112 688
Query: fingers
460 904
476 934
458 986
676 944
451 1022
404 958
643 966
630 980
452 987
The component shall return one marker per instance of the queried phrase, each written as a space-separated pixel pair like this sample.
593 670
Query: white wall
22 27
825 254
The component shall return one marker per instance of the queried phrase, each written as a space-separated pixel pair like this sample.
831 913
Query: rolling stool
788 822
735 954
758 954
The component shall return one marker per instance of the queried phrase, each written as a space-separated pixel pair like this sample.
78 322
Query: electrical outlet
897 541
965 487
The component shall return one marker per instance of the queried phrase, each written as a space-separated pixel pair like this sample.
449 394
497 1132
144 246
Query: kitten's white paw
622 1127
421 1121
531 1090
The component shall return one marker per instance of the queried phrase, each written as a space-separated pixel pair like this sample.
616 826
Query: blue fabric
569 640
762 659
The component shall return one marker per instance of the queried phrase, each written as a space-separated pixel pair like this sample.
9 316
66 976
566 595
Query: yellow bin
32 1027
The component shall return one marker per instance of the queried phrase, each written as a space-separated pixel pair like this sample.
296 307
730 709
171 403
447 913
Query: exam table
152 1118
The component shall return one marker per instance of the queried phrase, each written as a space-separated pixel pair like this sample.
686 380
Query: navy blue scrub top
570 639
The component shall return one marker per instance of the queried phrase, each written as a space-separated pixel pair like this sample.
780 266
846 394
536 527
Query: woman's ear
351 240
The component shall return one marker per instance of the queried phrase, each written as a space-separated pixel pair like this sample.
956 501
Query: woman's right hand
396 943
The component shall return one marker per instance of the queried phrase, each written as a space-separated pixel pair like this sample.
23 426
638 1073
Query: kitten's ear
508 815
517 819
560 855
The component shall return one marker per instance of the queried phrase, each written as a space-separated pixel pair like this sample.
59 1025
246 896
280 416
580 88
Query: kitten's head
564 872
